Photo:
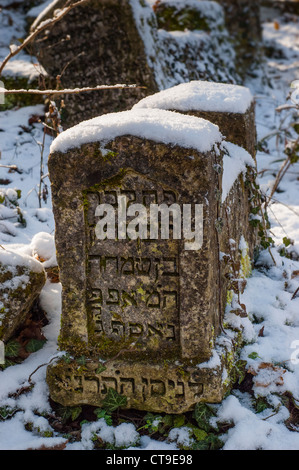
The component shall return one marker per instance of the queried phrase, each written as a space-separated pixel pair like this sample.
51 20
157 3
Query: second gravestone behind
143 303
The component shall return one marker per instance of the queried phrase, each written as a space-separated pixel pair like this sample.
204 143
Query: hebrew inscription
133 285
140 388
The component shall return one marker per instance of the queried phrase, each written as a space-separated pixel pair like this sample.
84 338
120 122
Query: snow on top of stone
12 259
154 124
202 96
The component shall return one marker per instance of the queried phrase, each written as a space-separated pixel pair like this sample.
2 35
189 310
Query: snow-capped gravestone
21 281
231 107
136 199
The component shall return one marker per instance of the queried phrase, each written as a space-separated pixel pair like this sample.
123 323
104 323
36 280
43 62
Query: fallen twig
12 167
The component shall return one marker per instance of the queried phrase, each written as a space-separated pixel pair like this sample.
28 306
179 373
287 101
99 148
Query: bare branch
12 167
44 25
67 91
283 107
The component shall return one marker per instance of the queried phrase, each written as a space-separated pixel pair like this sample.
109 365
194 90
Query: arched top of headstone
201 96
153 124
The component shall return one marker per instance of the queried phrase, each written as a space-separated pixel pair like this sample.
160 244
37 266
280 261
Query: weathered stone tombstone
21 279
230 107
95 44
145 313
105 42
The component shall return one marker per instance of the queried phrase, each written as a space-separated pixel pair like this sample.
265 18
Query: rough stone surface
20 286
96 44
123 41
146 171
243 23
157 387
149 308
236 127
279 7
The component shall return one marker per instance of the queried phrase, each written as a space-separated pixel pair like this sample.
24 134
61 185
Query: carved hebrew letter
154 331
127 266
109 197
127 386
95 297
196 388
108 382
144 388
109 265
131 196
129 299
93 384
169 197
153 300
79 386
118 328
149 196
114 297
143 266
157 388
135 329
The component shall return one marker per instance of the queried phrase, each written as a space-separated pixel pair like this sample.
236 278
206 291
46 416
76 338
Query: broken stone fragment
21 280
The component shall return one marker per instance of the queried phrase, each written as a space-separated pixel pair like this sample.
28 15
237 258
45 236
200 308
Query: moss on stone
171 18
229 296
18 297
246 266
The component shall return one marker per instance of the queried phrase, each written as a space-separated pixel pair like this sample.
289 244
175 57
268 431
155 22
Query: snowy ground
268 295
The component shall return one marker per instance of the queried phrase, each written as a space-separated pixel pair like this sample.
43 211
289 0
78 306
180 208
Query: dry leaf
276 25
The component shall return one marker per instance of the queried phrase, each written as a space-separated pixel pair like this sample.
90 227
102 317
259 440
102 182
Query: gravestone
95 44
106 42
145 313
242 18
230 107
21 281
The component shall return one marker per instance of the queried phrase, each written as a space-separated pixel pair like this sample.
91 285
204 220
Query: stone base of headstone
162 386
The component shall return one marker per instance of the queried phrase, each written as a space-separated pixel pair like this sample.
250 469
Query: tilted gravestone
107 42
230 107
97 43
21 281
141 313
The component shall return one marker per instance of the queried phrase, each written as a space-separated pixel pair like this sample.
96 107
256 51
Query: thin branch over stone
67 91
44 25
